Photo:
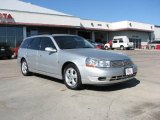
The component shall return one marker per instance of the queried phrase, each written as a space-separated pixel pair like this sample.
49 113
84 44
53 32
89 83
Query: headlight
92 62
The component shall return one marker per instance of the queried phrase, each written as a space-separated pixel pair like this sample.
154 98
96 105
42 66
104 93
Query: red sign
6 18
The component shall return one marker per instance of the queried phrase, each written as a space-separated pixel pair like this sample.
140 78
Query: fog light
102 78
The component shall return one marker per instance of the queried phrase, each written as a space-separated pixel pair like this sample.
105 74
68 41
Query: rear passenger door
32 53
47 61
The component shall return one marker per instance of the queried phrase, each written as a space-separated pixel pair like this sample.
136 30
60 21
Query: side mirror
50 49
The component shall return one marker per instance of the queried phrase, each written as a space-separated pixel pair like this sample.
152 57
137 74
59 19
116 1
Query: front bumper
107 75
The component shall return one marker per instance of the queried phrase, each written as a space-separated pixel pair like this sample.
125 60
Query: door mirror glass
50 49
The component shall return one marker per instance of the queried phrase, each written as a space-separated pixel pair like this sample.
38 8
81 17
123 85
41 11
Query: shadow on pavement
49 78
114 87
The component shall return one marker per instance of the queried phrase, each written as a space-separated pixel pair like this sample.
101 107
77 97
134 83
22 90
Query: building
156 34
19 19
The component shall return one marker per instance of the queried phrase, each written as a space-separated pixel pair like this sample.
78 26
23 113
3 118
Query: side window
120 41
46 42
26 43
153 42
114 41
35 43
157 42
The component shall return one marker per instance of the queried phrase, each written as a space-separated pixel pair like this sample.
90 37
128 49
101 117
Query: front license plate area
129 71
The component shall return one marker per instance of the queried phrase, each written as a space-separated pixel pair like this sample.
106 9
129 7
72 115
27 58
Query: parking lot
40 97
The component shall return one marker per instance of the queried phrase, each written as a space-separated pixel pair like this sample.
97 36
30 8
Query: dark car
5 51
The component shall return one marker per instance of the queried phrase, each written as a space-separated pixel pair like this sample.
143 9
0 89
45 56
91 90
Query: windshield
72 42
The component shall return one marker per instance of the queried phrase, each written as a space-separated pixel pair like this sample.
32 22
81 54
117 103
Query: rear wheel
72 77
122 47
24 68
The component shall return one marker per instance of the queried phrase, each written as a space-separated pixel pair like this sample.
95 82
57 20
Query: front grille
122 77
121 63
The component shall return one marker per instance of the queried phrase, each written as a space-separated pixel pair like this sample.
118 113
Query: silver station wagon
75 60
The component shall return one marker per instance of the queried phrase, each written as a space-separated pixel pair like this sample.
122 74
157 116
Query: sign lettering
6 18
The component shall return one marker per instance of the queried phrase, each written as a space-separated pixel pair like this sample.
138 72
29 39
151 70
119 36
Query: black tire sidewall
78 85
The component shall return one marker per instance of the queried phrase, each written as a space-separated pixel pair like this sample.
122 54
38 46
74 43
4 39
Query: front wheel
72 77
106 47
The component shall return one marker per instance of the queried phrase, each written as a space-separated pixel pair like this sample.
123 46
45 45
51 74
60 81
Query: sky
146 11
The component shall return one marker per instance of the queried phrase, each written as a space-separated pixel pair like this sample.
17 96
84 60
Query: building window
11 35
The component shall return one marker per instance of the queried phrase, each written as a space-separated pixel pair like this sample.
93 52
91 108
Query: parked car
74 60
120 42
153 44
5 51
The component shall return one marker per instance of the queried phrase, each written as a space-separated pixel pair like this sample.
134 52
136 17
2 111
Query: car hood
96 53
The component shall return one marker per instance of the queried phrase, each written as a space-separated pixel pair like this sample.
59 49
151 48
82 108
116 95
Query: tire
121 47
106 47
152 47
24 68
72 77
9 57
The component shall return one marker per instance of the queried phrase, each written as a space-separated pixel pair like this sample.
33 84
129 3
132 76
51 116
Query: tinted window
72 42
114 41
157 42
120 40
26 43
35 43
46 42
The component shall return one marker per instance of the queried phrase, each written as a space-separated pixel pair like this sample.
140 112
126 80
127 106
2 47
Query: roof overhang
38 19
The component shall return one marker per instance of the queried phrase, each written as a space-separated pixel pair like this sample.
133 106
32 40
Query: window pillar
93 36
24 32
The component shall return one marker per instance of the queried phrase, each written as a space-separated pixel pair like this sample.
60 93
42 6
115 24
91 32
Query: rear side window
154 42
26 43
35 43
46 42
114 41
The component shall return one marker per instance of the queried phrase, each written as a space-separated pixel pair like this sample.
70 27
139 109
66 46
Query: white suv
121 42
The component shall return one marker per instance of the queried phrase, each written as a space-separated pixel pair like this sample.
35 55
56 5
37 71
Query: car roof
52 35
62 35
